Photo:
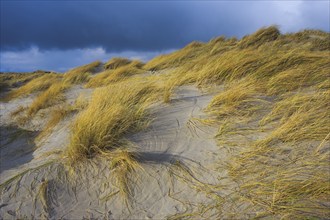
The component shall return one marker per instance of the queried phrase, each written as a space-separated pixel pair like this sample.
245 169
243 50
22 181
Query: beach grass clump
124 165
260 37
53 95
114 75
300 117
284 181
38 84
81 74
13 80
77 78
280 164
239 98
124 72
113 112
176 58
116 62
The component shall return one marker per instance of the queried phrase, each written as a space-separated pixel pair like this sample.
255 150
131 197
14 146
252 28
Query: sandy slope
177 154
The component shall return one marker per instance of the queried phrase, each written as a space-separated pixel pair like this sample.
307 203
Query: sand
177 153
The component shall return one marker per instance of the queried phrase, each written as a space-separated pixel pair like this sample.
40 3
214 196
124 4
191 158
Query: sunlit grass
273 113
35 85
110 115
118 74
50 97
81 74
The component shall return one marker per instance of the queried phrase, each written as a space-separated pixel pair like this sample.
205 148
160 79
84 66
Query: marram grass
273 114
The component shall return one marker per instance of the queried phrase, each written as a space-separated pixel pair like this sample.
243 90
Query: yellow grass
48 98
124 165
116 62
81 74
260 37
35 85
240 98
10 80
110 115
275 109
174 59
120 73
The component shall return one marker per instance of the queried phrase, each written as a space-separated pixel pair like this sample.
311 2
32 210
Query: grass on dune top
118 74
81 74
277 82
38 84
278 89
110 115
10 80
276 86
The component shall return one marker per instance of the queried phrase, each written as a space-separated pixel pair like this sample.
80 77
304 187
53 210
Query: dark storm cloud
118 26
114 25
58 35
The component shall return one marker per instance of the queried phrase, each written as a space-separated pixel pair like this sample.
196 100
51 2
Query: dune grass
118 74
12 80
174 59
273 113
281 166
50 97
124 165
38 84
81 74
261 37
116 62
274 107
110 115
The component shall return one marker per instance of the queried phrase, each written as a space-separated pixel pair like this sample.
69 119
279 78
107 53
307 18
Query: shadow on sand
16 147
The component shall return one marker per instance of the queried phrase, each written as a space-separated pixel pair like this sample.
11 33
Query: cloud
58 35
61 60
146 25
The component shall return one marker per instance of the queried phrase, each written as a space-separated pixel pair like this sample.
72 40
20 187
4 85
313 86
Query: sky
57 35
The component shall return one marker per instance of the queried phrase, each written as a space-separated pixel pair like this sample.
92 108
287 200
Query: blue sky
58 35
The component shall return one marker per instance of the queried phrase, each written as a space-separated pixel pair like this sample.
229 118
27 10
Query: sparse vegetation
81 74
273 115
116 62
114 75
38 84
13 80
48 98
110 114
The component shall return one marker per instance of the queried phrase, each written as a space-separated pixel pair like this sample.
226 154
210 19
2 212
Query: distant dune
227 129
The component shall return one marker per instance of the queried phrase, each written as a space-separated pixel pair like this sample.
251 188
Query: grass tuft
116 62
120 73
110 115
38 84
50 97
81 74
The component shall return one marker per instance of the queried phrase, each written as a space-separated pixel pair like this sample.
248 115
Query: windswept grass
110 115
81 74
51 96
12 80
240 98
124 165
176 58
120 73
38 84
273 114
260 37
116 62
301 117
275 110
